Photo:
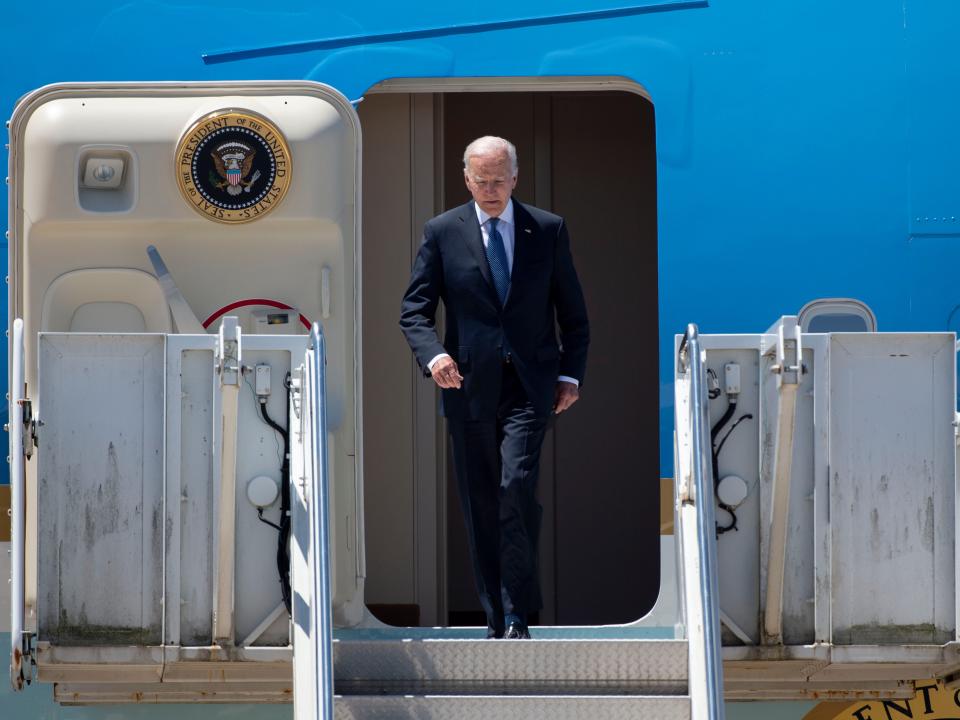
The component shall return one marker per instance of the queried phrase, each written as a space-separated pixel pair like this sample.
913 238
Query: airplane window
826 315
837 322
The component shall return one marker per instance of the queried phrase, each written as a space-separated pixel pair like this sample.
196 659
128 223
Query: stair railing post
702 619
320 526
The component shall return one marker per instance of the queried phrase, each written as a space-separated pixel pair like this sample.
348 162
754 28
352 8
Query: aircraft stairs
670 671
541 678
670 664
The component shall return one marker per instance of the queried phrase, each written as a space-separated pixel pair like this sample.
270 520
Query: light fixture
103 173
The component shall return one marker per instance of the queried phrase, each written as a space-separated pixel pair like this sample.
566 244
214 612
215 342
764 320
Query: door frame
431 448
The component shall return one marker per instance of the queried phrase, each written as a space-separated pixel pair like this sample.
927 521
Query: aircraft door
250 194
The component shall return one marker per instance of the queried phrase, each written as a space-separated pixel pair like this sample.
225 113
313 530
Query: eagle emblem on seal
233 162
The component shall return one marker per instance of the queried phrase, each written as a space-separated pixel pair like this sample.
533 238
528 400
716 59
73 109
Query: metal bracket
30 653
229 351
296 390
31 428
789 351
34 434
23 665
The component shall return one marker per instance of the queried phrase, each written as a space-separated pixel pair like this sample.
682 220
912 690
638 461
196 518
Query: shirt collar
506 216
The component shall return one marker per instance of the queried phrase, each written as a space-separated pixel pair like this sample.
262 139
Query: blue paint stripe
222 56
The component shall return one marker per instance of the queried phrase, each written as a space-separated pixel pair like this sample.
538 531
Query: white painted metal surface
17 507
737 549
815 518
192 404
193 492
100 478
892 497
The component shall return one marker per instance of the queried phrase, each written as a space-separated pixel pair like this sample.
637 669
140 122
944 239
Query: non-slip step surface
510 708
492 667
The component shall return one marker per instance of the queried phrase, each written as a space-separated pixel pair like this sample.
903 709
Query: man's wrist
435 359
568 379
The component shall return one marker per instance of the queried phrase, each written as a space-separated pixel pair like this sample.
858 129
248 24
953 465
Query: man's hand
564 396
446 374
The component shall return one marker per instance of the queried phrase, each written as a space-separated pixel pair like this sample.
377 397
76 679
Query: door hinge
31 428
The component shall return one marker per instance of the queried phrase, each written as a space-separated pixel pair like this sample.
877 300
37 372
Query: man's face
490 181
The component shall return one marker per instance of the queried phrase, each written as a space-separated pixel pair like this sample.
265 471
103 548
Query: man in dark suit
506 277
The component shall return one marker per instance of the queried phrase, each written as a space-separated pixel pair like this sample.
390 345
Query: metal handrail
16 508
690 360
320 529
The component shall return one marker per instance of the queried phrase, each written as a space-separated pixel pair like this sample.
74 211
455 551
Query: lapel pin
527 230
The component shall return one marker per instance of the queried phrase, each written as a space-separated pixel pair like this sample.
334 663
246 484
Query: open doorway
590 157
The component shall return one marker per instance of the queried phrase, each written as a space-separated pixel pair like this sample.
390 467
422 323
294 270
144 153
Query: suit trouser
497 464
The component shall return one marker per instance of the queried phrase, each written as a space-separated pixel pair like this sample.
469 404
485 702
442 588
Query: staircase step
516 707
495 667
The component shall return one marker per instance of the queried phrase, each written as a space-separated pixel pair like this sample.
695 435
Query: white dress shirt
506 228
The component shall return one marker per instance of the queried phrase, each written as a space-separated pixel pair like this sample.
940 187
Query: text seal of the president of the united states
233 166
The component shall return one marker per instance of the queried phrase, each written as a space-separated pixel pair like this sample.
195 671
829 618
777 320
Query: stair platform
540 666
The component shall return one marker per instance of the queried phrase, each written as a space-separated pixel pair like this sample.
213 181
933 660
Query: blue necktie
497 259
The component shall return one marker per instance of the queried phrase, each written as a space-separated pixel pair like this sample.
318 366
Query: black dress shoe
517 631
493 634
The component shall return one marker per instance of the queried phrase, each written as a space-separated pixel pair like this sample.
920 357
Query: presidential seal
233 166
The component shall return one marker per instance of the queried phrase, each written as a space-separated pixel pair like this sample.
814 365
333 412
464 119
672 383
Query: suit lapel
523 230
470 231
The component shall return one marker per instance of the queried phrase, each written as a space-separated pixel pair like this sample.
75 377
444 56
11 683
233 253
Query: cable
271 423
267 522
715 456
733 427
283 529
713 384
256 405
715 430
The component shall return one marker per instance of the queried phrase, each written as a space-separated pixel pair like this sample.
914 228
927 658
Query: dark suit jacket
544 294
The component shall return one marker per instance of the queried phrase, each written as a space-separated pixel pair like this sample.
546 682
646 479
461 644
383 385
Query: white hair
491 145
